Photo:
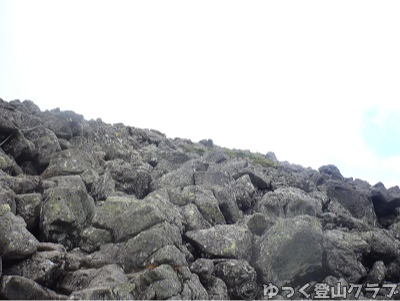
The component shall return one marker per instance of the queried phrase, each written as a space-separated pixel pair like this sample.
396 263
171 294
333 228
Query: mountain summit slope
90 210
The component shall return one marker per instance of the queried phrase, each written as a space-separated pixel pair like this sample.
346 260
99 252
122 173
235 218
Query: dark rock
227 203
21 184
8 164
377 273
244 191
46 144
106 277
234 273
20 288
211 178
290 251
130 178
332 171
19 147
7 196
223 241
42 267
343 253
103 187
28 207
383 244
64 214
258 223
357 203
289 202
92 238
68 162
15 241
194 290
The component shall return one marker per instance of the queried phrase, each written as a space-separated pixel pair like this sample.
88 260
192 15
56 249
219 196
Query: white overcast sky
317 82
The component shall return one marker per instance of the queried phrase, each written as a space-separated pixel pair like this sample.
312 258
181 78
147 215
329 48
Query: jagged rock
290 250
7 196
227 241
21 184
131 178
227 203
377 273
19 147
193 289
208 205
28 207
8 165
27 106
12 120
167 255
258 223
181 177
68 162
234 273
93 238
332 171
289 202
103 187
46 144
211 178
15 241
382 243
127 217
194 219
42 267
356 203
342 254
244 191
20 288
64 214
125 291
105 277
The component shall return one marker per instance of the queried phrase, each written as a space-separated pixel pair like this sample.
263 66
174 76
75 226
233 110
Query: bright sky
317 82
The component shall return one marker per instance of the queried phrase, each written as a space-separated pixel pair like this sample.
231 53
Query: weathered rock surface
90 210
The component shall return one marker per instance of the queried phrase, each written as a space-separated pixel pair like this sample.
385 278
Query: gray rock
127 217
103 187
11 120
258 223
289 202
130 178
332 171
92 238
244 191
64 214
7 196
342 254
68 162
227 203
227 241
193 289
105 277
383 244
19 147
234 273
125 291
8 164
42 267
217 290
21 184
15 241
28 207
357 203
20 288
211 178
193 218
291 248
46 144
161 282
377 273
167 255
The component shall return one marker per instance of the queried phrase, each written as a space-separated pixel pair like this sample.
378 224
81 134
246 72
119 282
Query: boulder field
90 210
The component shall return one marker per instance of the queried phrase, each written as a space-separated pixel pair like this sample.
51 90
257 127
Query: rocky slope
90 210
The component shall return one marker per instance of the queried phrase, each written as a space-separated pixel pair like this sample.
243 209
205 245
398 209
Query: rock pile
90 210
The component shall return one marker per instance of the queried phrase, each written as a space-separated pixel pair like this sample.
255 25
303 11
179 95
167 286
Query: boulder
223 241
244 191
16 242
21 288
20 148
290 251
7 196
28 207
289 202
64 214
103 187
193 218
8 164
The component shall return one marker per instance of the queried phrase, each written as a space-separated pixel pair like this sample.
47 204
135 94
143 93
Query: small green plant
255 158
193 149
